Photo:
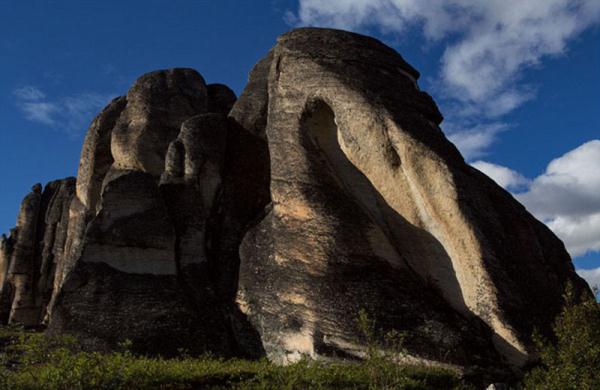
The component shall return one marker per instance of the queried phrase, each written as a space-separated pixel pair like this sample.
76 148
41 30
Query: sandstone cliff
262 226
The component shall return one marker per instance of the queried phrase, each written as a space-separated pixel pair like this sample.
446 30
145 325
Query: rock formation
370 203
263 226
30 255
143 252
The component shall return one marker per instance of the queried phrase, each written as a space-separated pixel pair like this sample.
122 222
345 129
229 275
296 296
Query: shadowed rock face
264 225
142 249
31 254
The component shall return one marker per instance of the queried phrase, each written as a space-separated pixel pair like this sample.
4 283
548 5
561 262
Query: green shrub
572 361
30 360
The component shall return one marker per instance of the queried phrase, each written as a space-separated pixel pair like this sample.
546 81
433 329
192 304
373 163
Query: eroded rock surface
142 249
265 225
371 203
30 255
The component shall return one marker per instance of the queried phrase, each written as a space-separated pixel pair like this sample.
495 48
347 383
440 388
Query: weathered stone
157 105
95 161
267 226
220 98
21 273
250 111
56 201
131 231
6 249
244 196
147 223
191 183
372 203
103 307
5 255
29 256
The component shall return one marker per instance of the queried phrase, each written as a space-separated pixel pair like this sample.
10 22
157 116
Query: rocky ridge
262 226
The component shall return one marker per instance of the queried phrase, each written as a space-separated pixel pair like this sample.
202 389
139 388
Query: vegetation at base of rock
31 360
572 360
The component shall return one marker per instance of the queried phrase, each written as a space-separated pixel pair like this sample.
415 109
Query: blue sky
517 80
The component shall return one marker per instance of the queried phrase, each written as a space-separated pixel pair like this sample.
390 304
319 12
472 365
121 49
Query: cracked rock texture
262 226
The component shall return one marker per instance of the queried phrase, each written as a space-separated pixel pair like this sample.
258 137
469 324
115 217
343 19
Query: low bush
572 359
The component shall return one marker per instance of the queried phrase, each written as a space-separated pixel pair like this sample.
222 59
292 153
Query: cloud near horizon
69 114
488 45
505 177
566 197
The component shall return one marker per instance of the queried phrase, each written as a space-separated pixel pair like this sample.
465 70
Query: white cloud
487 44
580 234
567 198
592 276
474 142
570 186
492 41
70 114
505 177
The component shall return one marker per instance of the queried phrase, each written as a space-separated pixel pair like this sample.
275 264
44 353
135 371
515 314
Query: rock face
31 254
372 207
143 253
265 225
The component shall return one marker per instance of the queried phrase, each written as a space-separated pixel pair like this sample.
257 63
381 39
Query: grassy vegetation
29 360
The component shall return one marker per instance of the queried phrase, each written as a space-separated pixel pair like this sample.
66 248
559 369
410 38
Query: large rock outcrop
265 225
142 250
372 207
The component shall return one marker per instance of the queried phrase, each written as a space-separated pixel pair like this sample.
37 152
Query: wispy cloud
29 93
70 114
80 109
474 141
41 112
488 44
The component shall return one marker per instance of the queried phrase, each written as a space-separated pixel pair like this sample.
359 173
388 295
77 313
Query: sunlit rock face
263 226
372 207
